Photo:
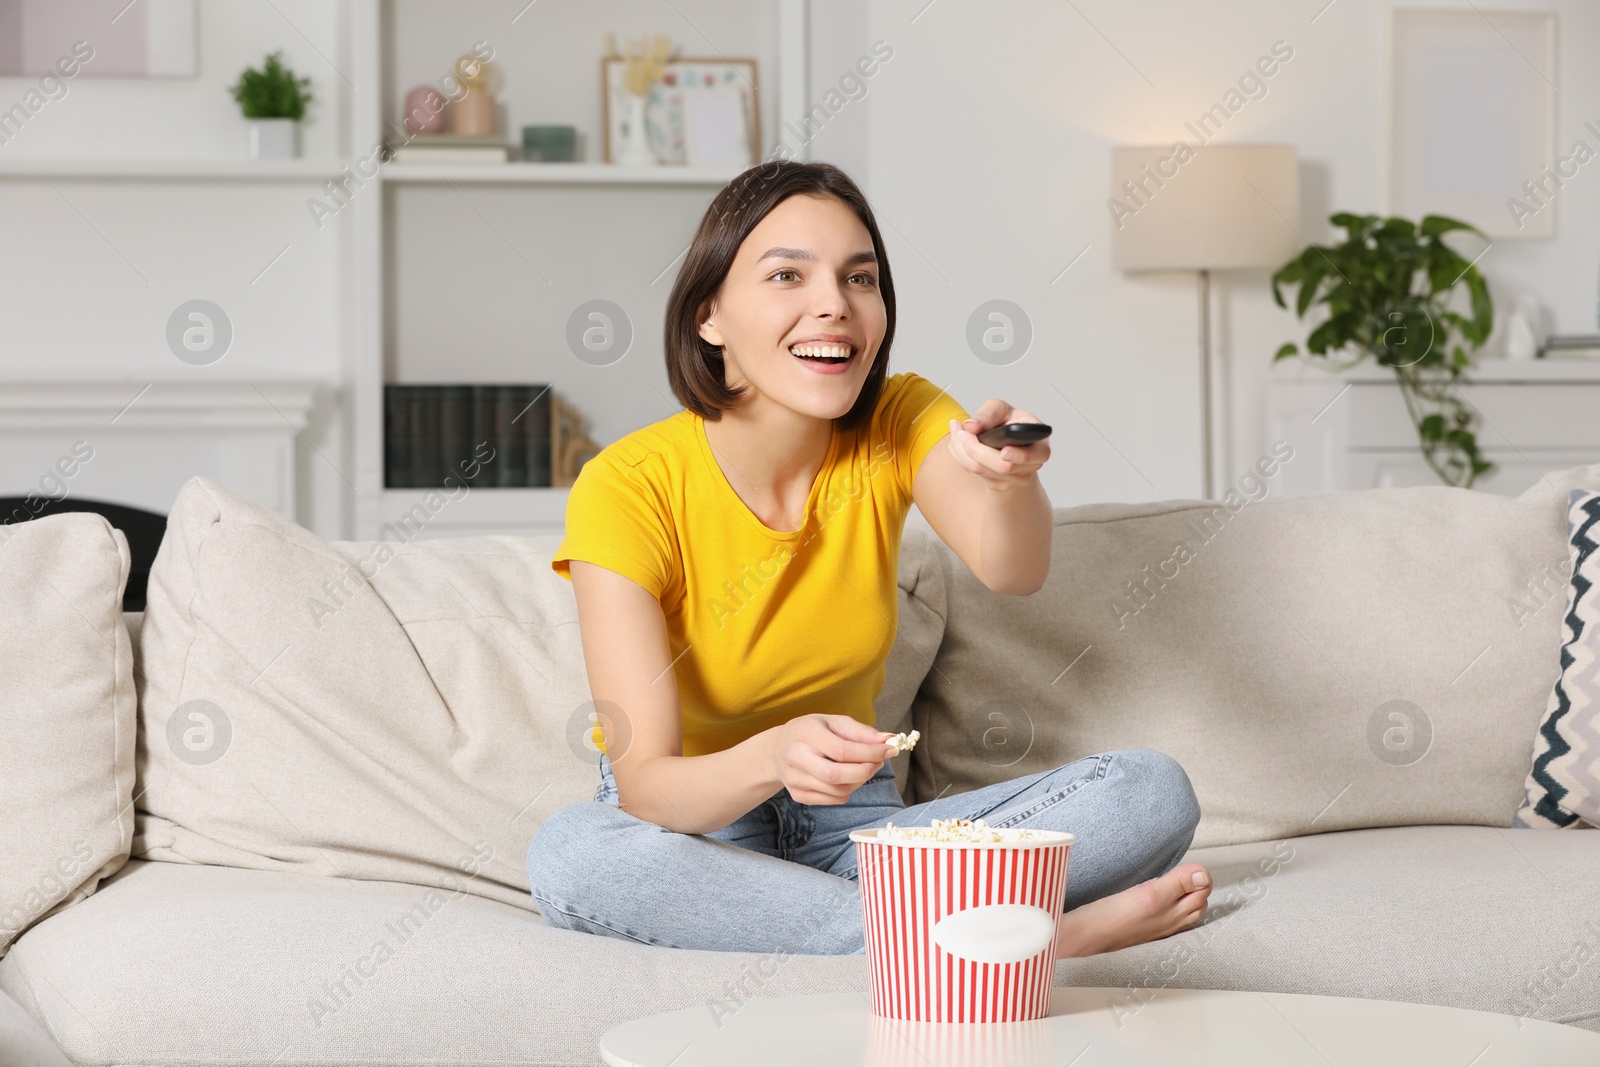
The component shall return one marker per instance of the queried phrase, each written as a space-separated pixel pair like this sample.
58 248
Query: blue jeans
782 877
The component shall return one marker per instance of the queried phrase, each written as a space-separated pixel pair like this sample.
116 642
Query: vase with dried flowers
642 71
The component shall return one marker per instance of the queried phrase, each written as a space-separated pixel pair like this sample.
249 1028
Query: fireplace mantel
148 438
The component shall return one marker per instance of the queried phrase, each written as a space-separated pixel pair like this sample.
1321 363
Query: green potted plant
1388 288
273 101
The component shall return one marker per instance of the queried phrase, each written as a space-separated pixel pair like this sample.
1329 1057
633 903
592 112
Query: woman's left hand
1000 468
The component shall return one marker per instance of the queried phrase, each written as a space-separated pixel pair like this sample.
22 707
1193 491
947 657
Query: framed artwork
720 97
1472 125
714 128
148 39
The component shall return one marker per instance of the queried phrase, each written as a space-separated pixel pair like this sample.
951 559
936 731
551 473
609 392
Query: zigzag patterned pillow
1563 788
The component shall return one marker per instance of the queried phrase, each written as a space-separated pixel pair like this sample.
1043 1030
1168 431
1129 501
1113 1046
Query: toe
1166 891
1192 876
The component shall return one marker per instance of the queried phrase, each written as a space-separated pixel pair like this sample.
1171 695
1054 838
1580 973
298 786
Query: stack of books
1571 346
451 148
482 435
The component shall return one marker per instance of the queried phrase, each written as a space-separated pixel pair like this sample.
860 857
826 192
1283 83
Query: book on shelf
451 148
482 435
1571 346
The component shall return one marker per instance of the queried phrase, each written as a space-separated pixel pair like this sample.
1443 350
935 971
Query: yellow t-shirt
777 624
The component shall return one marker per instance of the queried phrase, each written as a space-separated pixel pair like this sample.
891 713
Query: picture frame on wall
151 39
700 111
1472 118
715 132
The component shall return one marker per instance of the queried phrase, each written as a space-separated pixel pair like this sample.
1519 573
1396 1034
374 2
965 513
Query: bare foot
1157 908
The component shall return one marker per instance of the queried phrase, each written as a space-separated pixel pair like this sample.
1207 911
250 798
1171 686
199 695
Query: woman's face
806 270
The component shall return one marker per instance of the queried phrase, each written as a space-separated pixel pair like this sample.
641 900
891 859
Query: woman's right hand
822 759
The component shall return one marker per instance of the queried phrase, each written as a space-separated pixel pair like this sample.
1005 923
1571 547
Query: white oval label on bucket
996 933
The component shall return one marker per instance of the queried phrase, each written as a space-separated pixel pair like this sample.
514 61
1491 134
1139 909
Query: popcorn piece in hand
903 742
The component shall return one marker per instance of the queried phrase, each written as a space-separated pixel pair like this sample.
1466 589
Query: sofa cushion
343 971
23 1042
66 715
916 639
405 712
1467 916
147 971
1317 663
1563 785
919 627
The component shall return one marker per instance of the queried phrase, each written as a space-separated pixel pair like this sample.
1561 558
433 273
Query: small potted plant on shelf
273 101
1387 288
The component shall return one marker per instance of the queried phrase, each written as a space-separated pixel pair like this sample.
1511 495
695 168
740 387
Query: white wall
983 144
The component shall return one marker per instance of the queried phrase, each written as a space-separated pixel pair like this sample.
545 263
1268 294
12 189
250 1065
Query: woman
735 572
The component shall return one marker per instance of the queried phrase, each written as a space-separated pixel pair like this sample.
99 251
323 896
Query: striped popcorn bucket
962 932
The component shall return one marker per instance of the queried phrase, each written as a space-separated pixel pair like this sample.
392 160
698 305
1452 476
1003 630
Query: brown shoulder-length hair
695 367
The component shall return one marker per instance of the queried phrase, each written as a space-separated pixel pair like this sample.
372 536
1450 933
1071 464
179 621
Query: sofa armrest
23 1042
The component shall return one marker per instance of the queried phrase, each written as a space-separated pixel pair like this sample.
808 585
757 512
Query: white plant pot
274 138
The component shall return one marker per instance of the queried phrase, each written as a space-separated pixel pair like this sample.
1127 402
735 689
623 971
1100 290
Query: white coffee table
1192 1027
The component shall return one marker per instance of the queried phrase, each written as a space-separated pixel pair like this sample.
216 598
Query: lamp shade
1215 207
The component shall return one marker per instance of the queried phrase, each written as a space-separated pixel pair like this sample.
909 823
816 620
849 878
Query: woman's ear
708 329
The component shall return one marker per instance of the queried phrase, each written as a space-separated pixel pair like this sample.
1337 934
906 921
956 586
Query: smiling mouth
823 353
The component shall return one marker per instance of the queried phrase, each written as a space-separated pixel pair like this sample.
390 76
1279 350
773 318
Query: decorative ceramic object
424 110
643 69
1522 329
635 149
473 114
550 144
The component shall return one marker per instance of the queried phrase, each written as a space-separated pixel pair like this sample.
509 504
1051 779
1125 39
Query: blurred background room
316 250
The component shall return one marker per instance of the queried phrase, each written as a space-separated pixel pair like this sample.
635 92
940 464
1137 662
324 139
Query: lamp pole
1205 383
1229 211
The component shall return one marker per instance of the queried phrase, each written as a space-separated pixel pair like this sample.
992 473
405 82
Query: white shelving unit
366 251
252 170
555 174
484 509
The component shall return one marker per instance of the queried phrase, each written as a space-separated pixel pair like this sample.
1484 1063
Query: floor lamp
1215 207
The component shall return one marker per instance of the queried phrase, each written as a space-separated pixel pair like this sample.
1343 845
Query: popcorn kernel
903 742
957 830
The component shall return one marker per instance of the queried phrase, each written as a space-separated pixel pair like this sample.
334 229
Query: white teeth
821 351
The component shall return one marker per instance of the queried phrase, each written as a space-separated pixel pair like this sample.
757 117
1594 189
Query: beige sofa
303 842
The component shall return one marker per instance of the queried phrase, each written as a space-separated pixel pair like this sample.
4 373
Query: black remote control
1014 433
